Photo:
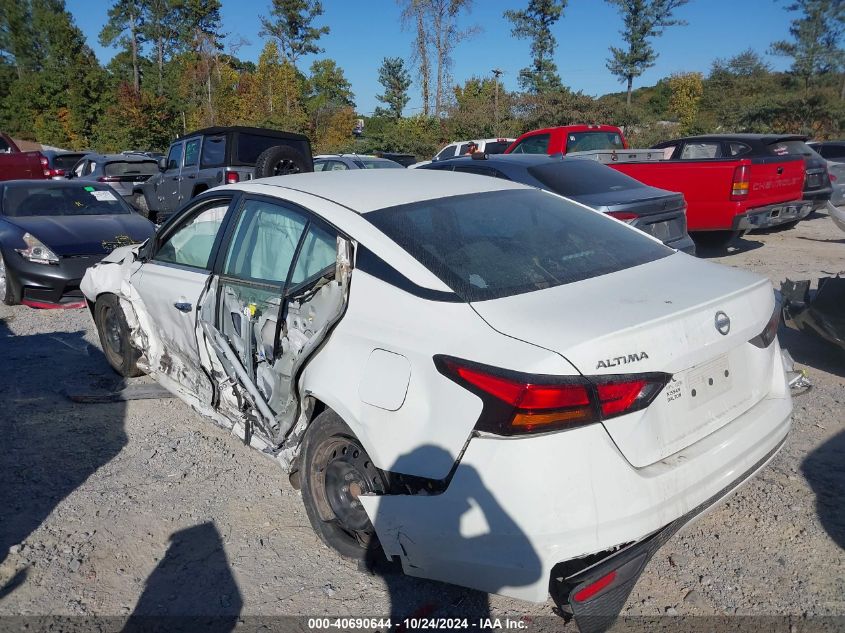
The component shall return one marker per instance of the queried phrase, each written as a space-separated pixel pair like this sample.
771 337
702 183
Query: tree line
172 73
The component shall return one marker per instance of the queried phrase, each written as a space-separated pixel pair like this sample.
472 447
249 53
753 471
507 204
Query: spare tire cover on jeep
281 160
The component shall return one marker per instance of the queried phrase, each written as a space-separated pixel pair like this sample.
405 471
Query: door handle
183 307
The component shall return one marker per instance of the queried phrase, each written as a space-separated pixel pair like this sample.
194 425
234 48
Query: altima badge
723 323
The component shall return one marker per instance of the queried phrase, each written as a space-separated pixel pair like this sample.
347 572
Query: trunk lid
775 179
660 213
651 318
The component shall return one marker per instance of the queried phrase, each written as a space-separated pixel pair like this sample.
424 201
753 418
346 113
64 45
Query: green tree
644 20
125 27
686 91
414 14
396 81
328 87
535 24
291 23
817 35
161 29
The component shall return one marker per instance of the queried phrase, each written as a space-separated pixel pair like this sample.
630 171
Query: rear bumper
516 509
774 215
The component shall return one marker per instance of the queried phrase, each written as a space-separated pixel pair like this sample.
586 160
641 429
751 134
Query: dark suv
216 156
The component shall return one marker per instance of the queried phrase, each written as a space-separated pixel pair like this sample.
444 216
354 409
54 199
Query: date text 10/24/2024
478 624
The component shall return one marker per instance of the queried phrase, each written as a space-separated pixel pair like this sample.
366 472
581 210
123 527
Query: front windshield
62 199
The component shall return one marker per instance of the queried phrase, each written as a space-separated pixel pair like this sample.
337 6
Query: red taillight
55 173
592 589
232 177
517 403
625 216
108 179
832 178
741 183
45 166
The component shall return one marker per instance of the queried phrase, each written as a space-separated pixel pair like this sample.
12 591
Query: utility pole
496 74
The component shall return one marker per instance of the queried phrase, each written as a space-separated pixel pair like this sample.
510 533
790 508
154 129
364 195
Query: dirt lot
144 507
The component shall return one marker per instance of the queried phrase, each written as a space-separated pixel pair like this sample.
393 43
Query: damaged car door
170 285
278 259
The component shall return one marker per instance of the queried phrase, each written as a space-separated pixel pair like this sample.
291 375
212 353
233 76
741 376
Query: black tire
715 239
281 160
335 468
114 337
7 293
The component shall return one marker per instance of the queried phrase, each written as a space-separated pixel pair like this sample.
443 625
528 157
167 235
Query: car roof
763 138
261 131
367 190
128 158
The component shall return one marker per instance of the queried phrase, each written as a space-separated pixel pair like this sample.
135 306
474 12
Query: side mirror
162 163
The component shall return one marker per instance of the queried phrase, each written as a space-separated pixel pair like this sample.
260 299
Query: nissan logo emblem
723 323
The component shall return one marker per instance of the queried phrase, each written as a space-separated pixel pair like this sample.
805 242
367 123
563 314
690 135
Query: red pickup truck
15 164
731 183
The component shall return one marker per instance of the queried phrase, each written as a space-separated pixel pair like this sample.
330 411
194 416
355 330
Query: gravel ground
144 507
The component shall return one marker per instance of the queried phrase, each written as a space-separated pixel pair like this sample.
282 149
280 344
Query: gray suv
216 156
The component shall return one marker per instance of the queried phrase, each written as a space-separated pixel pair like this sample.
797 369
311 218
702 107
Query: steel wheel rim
111 330
344 472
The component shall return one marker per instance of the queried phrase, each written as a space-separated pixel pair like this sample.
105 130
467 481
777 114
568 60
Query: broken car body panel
490 512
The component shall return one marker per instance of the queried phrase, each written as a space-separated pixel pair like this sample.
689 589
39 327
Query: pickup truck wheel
114 337
335 471
715 239
281 160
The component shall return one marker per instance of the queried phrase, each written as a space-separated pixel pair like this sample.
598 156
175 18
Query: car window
472 169
537 144
192 152
589 141
174 157
446 152
213 151
4 147
61 199
496 147
502 243
319 165
579 177
738 149
65 161
89 168
79 168
792 148
701 150
130 168
191 244
264 242
462 149
250 146
831 152
335 165
378 163
319 251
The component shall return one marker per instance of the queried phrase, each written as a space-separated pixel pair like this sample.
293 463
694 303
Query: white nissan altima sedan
494 385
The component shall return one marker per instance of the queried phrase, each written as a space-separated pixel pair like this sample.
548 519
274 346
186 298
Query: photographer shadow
460 535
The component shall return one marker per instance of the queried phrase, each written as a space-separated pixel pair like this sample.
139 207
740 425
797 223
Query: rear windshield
250 146
61 199
496 147
372 163
130 168
213 151
792 148
66 161
582 178
503 243
587 141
